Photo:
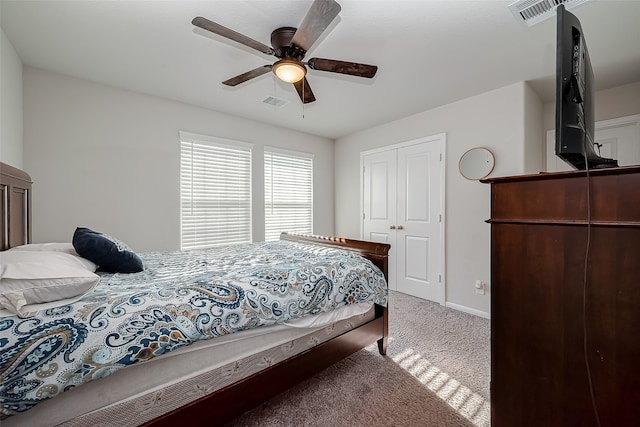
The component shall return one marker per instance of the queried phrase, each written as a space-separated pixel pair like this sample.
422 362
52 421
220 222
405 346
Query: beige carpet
436 373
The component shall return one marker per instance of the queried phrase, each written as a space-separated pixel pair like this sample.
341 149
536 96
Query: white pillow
35 280
56 247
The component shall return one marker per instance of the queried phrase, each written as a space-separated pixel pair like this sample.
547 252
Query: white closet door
620 139
418 237
402 206
379 203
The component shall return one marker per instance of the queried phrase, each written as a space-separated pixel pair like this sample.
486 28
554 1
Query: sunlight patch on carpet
466 402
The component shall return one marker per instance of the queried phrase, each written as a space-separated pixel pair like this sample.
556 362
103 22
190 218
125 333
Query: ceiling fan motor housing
281 42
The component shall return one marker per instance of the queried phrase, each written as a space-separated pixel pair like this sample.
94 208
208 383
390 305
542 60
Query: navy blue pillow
110 254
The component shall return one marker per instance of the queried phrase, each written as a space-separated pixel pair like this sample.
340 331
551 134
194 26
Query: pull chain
274 91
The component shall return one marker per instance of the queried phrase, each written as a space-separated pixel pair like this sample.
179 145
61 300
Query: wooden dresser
539 314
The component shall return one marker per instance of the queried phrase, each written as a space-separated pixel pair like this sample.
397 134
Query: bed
209 381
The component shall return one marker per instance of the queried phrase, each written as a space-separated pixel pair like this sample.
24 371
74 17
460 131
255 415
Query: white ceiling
429 53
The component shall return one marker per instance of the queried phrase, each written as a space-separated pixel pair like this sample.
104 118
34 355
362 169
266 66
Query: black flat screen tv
575 119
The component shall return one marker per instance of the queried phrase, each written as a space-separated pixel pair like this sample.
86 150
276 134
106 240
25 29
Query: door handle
400 227
393 227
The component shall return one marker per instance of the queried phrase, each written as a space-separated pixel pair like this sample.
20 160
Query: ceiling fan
290 45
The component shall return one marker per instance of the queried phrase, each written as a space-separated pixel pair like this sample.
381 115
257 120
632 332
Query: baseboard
465 309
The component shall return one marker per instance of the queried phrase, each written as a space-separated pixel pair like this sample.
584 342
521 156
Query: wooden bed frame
249 392
15 202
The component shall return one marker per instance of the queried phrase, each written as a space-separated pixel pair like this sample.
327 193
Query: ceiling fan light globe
289 71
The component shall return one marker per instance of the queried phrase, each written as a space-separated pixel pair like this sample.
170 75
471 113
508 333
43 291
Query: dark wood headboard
15 204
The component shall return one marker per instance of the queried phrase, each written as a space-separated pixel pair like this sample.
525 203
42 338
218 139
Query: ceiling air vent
276 102
532 12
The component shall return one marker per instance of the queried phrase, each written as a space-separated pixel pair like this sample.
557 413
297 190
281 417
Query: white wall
108 159
512 122
495 120
534 147
10 104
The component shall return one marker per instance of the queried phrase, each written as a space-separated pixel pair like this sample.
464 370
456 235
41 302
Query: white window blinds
288 192
215 191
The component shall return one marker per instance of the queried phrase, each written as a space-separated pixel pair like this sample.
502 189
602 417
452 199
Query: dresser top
556 175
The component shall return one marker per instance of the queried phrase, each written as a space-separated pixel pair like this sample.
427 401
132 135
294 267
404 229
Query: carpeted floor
436 373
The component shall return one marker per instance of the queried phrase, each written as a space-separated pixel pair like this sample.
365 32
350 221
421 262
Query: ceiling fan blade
306 95
218 29
343 67
317 19
234 81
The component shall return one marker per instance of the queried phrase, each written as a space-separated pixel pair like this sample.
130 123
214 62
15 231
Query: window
288 192
215 191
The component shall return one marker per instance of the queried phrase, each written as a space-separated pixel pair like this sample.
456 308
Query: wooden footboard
234 400
378 253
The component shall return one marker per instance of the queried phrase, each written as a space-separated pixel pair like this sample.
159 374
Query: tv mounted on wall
575 119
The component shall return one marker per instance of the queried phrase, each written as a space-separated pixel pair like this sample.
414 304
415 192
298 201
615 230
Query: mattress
148 390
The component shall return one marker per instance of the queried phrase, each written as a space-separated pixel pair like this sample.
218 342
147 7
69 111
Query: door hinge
439 278
363 215
440 156
440 218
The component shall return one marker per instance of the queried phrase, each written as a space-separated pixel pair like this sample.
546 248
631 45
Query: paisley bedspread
180 298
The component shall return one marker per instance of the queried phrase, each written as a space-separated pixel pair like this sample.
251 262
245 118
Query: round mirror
476 163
